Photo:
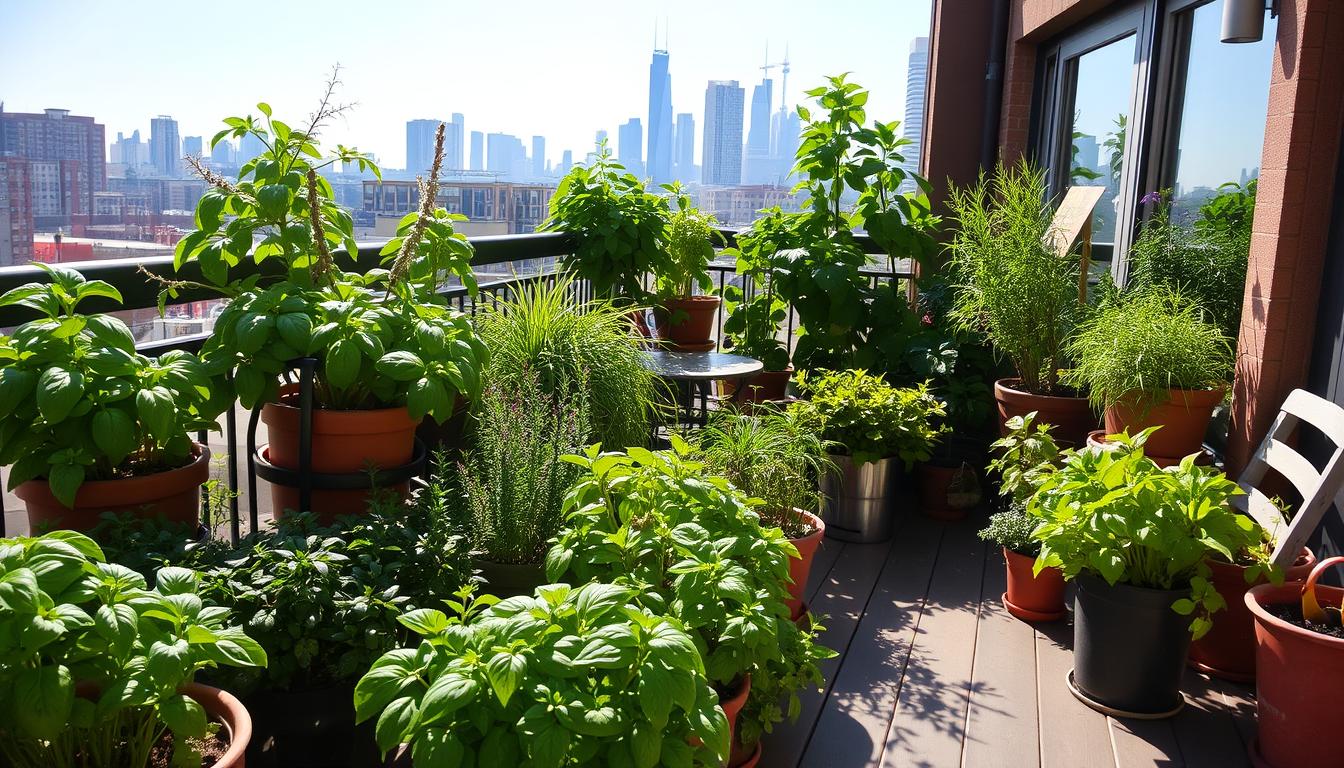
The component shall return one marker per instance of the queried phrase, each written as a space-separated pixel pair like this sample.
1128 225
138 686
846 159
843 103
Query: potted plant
579 350
1021 292
690 546
775 687
511 483
769 455
1026 457
620 228
878 432
1135 538
682 318
755 312
99 668
570 676
389 350
87 424
1151 359
1299 666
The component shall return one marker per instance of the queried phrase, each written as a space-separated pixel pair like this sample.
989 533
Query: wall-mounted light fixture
1244 20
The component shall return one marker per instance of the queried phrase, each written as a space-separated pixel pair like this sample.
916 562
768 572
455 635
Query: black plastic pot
510 579
309 729
1129 648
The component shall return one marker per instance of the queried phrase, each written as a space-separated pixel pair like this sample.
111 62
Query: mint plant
868 419
68 618
568 677
691 235
77 402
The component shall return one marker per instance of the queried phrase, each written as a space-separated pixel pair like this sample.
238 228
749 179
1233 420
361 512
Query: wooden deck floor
934 672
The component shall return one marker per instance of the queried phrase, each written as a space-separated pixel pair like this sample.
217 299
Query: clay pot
752 758
1072 416
224 708
510 579
800 567
936 495
687 321
1097 438
174 495
1228 649
731 703
762 387
1298 676
344 442
1184 418
1032 597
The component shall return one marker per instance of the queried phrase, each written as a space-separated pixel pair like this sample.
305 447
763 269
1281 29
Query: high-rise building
660 119
224 153
192 145
721 157
249 148
761 167
683 154
916 86
454 142
538 156
477 151
76 144
566 161
420 144
16 212
129 150
505 155
630 146
165 148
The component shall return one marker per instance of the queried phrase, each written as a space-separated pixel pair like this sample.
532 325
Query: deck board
1207 732
1072 736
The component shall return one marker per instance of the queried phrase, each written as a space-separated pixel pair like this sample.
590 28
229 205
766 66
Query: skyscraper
505 155
420 144
454 142
916 84
760 167
223 153
249 148
566 161
538 156
477 151
684 148
630 146
129 150
721 159
165 148
192 145
660 118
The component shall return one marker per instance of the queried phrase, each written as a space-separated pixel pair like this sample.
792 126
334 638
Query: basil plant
567 677
77 402
93 662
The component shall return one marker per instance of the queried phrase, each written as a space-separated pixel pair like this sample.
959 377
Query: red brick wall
954 116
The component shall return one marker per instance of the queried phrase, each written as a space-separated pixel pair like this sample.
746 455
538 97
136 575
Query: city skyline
381 78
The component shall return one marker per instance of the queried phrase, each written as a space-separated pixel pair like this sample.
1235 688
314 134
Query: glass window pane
1223 114
1102 98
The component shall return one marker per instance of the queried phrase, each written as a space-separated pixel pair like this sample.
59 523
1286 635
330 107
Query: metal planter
860 499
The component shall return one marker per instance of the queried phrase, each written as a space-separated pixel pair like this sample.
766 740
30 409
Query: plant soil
212 748
1292 613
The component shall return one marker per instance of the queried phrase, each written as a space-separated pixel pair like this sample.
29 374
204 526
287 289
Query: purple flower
1151 197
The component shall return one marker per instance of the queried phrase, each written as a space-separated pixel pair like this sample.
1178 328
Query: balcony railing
502 263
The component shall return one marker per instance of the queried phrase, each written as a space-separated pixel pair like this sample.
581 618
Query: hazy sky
562 69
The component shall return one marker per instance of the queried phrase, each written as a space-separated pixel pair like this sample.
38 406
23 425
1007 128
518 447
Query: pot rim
1005 386
355 421
1088 581
39 488
1190 398
230 712
1259 595
698 298
818 526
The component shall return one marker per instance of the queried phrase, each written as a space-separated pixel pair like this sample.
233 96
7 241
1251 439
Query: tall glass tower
659 166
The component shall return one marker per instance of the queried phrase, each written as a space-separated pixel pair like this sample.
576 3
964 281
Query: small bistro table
692 372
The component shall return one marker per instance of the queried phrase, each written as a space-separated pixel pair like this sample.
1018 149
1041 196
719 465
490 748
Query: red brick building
16 212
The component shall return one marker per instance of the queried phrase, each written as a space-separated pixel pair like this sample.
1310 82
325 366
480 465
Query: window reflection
1103 94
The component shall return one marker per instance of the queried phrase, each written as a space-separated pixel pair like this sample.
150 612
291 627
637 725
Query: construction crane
783 65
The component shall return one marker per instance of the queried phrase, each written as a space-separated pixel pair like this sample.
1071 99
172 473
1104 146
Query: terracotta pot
1184 418
762 387
1030 597
227 710
1072 416
174 495
686 320
1298 676
344 442
741 757
1228 649
800 567
935 491
1097 438
731 704
510 579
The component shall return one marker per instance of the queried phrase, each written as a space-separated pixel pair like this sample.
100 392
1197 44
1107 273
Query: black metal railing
502 263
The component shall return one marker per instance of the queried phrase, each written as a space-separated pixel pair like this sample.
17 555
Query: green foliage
68 617
869 419
774 690
1143 344
753 318
568 677
512 480
78 402
1206 261
621 228
690 546
770 454
1115 514
383 339
1013 286
1025 458
583 349
958 364
1012 528
691 234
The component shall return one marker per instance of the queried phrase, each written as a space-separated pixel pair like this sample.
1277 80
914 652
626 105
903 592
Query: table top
700 366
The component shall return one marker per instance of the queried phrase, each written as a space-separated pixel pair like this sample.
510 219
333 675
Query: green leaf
424 621
506 671
596 600
446 695
57 392
175 580
386 679
15 386
65 480
183 715
440 748
427 396
114 434
117 625
157 412
42 699
646 743
654 688
109 331
396 722
296 329
250 384
401 366
342 364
